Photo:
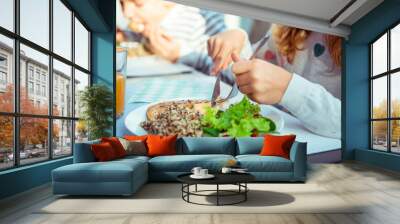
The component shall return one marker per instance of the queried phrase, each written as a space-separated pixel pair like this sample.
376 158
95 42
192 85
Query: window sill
382 159
30 166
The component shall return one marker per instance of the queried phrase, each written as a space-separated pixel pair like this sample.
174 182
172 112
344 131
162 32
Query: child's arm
221 46
314 106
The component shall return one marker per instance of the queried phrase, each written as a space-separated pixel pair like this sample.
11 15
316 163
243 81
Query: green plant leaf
96 102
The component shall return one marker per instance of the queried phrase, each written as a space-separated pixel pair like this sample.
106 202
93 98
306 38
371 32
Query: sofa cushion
103 152
159 145
206 145
133 158
277 145
249 145
116 145
257 163
136 147
185 163
112 171
136 137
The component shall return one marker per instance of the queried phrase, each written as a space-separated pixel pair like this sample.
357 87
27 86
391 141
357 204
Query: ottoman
118 177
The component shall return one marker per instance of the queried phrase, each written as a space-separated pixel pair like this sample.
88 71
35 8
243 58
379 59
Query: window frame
16 115
388 74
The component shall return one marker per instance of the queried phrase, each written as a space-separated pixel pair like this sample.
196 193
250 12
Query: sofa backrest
206 145
83 152
249 145
190 146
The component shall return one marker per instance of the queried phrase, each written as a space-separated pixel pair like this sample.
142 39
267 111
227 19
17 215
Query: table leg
195 188
217 194
188 190
245 193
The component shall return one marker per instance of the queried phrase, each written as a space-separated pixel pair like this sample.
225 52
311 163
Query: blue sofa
125 176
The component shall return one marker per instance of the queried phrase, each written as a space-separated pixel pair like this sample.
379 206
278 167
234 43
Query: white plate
208 176
137 116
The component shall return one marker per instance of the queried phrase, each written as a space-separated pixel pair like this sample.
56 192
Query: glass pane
395 94
62 138
6 142
7 14
34 97
35 21
379 135
81 131
62 29
6 74
379 56
33 139
81 45
62 89
379 97
81 81
395 136
395 47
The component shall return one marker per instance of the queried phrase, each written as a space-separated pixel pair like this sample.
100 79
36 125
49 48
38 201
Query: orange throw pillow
277 145
135 137
161 145
116 145
103 152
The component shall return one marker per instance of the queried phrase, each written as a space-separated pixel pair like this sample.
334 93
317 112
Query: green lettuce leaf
239 120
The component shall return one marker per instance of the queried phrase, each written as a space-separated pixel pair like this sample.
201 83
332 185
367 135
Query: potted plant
96 102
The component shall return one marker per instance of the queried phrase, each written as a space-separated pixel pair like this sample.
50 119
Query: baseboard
333 156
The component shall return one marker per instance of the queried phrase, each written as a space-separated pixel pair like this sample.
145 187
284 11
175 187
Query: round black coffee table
238 179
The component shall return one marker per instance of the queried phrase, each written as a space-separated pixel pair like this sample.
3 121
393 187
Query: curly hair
289 40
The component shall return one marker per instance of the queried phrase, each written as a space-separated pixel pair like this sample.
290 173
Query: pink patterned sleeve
268 52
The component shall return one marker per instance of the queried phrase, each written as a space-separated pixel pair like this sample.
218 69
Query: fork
235 89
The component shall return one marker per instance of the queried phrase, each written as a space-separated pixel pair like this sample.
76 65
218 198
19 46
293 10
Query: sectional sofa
125 176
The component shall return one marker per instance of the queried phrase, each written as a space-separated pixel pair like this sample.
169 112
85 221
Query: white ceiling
316 15
321 9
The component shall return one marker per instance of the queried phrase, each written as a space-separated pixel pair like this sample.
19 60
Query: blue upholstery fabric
184 163
94 172
125 176
249 145
118 177
257 163
273 176
83 152
130 158
298 155
206 145
99 188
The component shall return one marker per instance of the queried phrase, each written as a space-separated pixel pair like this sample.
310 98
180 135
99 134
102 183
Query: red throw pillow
116 145
277 145
135 137
103 152
161 145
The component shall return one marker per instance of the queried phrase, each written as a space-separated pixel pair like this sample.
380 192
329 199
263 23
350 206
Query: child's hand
162 44
222 45
260 80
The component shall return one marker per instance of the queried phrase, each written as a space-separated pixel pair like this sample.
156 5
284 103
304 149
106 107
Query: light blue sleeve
314 106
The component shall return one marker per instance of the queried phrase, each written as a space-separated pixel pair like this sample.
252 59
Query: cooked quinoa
180 119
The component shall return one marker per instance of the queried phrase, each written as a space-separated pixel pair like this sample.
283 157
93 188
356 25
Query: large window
385 91
44 64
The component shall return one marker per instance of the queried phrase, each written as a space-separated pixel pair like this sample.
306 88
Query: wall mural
273 78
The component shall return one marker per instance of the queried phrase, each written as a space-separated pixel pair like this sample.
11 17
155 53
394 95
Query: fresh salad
239 120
